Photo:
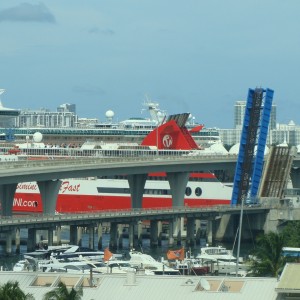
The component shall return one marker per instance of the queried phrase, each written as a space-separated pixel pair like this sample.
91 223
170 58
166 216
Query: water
7 262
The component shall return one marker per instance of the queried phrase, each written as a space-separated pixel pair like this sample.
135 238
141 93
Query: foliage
63 293
12 291
268 259
292 234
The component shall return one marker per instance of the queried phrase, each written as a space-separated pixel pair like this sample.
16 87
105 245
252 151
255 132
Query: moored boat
222 260
147 262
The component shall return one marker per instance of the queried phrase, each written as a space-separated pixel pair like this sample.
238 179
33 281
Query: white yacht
125 265
21 265
76 267
147 262
221 259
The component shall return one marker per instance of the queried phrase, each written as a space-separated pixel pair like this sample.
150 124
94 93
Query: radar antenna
157 115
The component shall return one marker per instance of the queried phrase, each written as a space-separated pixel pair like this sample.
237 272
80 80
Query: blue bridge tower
254 132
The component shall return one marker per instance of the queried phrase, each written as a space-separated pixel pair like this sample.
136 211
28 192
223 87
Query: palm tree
12 291
63 293
268 258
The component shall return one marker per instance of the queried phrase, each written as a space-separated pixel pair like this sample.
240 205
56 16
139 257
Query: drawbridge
254 134
276 172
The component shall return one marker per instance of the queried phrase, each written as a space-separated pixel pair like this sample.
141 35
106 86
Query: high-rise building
65 116
239 113
67 107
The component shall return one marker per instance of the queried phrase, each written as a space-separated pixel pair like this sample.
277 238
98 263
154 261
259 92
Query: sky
189 56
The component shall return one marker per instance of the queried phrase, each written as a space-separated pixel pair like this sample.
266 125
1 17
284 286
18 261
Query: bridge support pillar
131 235
178 182
17 240
79 236
159 232
120 236
7 193
41 234
153 233
8 242
225 227
171 233
49 190
31 241
113 243
73 234
272 221
198 231
58 235
140 233
178 230
100 236
136 186
190 232
50 236
91 237
210 232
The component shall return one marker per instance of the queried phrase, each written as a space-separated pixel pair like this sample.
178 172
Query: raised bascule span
255 130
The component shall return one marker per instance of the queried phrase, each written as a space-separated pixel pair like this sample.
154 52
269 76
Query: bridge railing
135 212
94 160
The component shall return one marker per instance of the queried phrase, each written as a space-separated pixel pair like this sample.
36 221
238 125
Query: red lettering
67 187
27 186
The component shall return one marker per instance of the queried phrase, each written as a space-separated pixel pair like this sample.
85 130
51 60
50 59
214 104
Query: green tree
61 292
12 291
292 234
268 259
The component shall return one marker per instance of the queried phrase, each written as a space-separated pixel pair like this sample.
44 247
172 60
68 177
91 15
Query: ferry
108 193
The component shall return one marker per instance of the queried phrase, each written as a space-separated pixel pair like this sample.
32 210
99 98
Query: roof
133 286
289 280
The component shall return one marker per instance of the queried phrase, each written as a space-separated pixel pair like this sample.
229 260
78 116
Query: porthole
188 191
198 191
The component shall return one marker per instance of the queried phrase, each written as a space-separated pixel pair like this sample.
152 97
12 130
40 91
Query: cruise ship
106 193
132 130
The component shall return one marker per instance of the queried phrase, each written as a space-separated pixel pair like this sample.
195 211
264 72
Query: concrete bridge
48 174
222 224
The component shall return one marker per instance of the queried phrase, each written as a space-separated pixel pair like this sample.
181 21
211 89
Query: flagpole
239 239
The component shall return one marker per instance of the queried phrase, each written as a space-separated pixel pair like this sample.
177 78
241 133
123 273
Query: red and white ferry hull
91 194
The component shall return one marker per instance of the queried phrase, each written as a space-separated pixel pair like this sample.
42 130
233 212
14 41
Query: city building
239 113
67 107
278 133
45 118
